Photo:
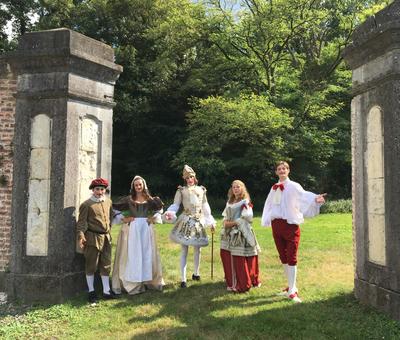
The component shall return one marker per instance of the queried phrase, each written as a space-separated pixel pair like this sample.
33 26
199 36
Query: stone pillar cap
61 44
375 37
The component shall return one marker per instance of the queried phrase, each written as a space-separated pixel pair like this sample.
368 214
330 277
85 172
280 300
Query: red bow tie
280 186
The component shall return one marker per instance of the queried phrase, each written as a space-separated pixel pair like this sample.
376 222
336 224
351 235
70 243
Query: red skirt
241 272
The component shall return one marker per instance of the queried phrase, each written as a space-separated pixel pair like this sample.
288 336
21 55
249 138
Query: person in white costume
137 264
189 228
285 208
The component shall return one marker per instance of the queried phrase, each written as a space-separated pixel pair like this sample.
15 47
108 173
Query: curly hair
244 193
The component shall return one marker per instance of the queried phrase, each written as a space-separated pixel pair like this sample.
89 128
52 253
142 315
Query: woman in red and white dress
239 246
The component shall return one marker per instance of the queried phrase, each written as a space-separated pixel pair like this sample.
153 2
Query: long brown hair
245 193
145 192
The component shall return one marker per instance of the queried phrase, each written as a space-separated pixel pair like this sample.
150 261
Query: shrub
339 206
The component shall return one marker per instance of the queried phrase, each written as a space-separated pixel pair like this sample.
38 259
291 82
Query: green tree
5 16
234 138
163 47
226 59
292 51
19 13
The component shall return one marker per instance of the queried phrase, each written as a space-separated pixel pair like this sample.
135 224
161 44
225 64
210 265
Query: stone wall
63 138
8 85
374 57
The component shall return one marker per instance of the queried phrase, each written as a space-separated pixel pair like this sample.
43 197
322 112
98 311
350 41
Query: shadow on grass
207 311
17 308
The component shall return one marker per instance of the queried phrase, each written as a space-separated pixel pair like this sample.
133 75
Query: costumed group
137 264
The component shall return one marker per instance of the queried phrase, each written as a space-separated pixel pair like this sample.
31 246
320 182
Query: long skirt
241 272
137 264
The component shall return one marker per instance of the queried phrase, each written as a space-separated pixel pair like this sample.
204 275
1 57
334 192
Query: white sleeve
157 217
117 219
174 207
267 211
307 204
247 211
224 214
208 218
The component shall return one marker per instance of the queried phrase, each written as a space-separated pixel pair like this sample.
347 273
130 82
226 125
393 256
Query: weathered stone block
7 110
70 78
40 164
37 233
374 58
39 193
89 132
41 132
377 238
376 196
374 160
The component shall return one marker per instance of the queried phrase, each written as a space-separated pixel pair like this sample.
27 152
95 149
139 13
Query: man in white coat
285 208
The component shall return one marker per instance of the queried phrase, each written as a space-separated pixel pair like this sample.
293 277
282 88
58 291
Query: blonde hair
245 193
284 163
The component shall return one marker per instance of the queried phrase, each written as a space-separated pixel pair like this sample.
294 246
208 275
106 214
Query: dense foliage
228 87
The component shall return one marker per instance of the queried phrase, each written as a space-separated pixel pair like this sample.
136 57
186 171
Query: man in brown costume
93 229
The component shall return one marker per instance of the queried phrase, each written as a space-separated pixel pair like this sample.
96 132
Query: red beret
98 182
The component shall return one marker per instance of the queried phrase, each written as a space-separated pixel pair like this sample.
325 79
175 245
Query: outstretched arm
320 199
170 214
310 203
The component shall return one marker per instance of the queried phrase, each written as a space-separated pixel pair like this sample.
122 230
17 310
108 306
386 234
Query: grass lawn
206 310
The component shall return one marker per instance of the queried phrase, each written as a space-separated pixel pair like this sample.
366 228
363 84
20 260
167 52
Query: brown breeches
98 259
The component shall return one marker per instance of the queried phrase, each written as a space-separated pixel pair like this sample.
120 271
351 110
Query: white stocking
292 273
106 284
285 270
197 255
90 282
184 252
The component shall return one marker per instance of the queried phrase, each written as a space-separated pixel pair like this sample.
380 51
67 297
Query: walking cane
212 253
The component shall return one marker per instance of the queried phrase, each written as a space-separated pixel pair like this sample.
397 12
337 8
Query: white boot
292 293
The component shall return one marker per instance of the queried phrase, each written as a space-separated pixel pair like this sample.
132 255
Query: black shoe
183 284
196 277
92 298
110 296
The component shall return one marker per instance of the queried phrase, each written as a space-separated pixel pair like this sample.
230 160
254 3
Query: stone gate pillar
63 137
374 58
